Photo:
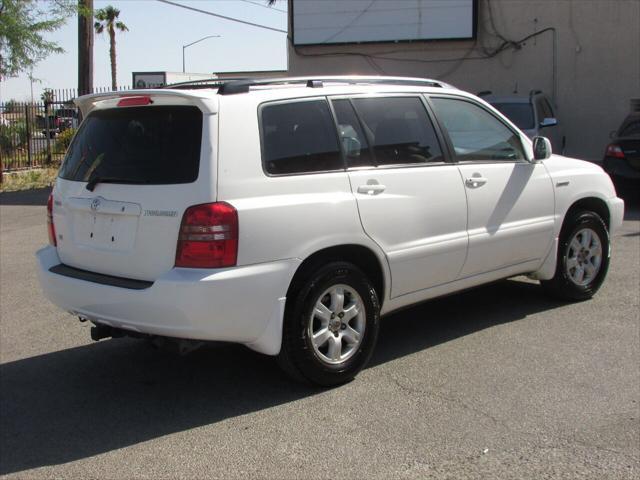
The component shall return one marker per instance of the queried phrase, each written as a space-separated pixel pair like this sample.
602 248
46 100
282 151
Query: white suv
288 215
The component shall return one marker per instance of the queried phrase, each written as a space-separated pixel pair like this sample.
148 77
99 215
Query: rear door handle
475 182
371 189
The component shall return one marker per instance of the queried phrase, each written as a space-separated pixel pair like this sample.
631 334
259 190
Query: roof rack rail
204 83
230 87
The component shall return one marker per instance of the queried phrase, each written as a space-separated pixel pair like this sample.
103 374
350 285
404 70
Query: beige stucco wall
598 61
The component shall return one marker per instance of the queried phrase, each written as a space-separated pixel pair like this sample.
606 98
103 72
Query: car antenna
515 89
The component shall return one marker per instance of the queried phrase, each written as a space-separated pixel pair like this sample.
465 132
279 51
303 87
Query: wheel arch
361 256
589 203
557 281
592 204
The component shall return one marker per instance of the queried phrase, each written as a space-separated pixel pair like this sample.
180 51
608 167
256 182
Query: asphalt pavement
497 382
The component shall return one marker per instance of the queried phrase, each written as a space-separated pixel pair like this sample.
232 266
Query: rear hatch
131 171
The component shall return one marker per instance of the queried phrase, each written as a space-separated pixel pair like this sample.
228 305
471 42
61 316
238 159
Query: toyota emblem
95 204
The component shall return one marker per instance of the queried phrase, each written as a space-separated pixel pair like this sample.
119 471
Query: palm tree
107 18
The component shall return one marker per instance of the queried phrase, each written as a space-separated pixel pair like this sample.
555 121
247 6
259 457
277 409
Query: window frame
447 159
450 146
284 101
345 161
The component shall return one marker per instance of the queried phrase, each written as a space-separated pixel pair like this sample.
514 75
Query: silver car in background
533 114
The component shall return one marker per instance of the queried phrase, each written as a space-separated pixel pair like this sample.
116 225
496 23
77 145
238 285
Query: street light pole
193 43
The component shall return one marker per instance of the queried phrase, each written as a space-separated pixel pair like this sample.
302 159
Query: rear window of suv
147 145
630 129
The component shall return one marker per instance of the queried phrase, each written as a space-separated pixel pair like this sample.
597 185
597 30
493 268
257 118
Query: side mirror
548 122
541 148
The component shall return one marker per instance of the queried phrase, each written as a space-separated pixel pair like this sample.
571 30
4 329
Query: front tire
331 326
583 258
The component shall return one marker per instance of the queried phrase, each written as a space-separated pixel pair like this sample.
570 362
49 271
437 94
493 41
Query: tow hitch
180 346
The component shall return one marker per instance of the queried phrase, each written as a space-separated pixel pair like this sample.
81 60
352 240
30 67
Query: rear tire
331 326
583 258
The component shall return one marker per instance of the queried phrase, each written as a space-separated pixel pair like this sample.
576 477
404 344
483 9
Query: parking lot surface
496 382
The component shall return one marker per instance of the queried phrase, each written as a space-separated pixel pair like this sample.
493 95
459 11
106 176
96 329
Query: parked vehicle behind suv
622 156
533 114
288 215
62 119
67 118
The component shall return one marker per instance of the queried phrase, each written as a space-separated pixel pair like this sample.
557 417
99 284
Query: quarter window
300 137
400 130
475 133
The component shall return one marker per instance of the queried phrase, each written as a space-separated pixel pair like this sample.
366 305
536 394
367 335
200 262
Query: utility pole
85 47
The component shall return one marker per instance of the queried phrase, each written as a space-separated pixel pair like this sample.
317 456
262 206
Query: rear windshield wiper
91 184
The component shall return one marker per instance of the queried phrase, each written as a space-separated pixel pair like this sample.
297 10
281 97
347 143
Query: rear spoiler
87 103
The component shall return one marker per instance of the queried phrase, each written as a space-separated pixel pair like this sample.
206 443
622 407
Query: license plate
113 227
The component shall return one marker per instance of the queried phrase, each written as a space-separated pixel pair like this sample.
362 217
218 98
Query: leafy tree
64 140
47 96
11 106
107 19
23 25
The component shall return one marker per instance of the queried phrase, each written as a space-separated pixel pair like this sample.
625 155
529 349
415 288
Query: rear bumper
241 304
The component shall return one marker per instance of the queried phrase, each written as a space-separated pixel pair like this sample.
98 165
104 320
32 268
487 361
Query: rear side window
475 133
299 137
400 130
147 145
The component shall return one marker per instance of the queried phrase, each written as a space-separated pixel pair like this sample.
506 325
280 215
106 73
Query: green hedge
13 136
63 140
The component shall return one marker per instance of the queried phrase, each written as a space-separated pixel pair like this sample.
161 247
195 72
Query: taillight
614 151
208 236
51 229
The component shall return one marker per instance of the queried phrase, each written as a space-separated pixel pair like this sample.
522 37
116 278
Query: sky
157 32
